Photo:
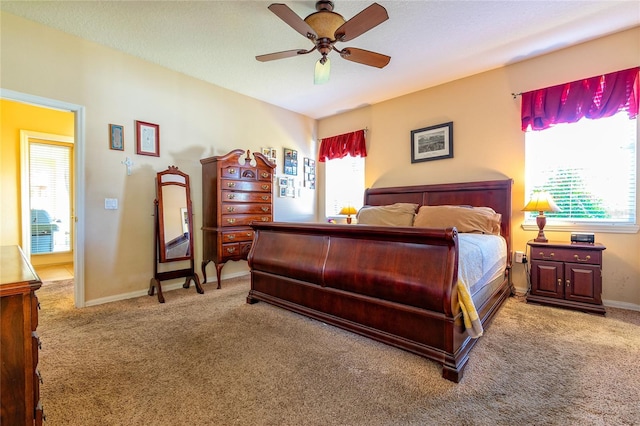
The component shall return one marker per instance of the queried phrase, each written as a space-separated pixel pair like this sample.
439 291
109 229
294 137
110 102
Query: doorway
76 227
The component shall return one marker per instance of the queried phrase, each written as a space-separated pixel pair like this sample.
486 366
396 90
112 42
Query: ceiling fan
325 28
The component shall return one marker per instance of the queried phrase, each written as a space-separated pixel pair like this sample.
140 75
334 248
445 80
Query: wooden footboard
395 285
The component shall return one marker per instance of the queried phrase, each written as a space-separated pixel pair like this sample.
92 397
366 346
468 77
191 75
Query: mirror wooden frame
166 181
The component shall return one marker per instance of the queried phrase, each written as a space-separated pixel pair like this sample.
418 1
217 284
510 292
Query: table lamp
349 210
541 201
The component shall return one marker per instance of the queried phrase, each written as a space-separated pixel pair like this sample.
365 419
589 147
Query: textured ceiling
430 42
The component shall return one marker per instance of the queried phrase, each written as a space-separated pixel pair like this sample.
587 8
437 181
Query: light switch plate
111 204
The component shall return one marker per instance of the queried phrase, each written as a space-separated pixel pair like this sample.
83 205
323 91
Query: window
344 184
589 167
50 196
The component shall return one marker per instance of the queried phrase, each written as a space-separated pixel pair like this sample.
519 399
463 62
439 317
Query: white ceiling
430 42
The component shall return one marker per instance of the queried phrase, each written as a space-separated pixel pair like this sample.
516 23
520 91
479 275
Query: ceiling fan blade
281 55
292 19
365 57
322 71
369 18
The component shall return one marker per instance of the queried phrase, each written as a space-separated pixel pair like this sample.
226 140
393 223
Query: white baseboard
609 303
621 305
165 289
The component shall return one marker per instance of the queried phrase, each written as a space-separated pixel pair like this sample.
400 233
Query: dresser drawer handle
547 257
265 209
231 196
265 187
231 250
568 283
559 281
248 234
265 197
231 184
265 219
232 171
586 259
265 175
231 237
231 209
232 220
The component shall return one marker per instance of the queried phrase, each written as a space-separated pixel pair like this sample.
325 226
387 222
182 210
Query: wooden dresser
235 193
19 343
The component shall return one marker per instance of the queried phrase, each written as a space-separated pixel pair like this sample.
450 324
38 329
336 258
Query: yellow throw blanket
469 314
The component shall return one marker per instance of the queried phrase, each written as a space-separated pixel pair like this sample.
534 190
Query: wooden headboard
493 193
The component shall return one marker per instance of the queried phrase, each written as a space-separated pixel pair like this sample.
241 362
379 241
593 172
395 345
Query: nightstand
567 275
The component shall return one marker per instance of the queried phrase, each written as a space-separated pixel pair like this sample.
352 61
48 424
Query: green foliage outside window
572 196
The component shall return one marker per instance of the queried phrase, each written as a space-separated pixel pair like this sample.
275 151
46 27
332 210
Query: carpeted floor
212 359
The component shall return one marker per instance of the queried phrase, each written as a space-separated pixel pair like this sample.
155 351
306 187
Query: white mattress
483 258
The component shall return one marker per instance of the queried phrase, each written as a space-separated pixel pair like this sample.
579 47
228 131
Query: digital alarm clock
583 237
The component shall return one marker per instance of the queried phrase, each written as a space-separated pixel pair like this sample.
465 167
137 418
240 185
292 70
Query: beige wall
488 142
196 119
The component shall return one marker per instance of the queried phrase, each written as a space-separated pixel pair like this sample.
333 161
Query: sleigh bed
399 285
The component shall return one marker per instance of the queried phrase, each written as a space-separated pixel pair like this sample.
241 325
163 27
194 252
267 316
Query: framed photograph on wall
309 173
290 162
270 153
432 143
147 139
116 137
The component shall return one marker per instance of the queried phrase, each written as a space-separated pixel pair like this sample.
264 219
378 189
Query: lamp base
541 221
349 220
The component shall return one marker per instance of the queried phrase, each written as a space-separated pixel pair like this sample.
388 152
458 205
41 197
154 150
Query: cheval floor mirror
173 241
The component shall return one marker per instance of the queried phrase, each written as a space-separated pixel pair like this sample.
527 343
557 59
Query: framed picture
309 173
290 162
147 139
283 181
270 153
432 143
116 137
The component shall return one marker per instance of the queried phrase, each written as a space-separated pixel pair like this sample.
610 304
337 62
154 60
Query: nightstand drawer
592 257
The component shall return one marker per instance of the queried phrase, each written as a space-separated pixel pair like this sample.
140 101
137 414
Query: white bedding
483 258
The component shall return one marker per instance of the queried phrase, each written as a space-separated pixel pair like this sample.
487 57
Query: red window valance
594 97
340 146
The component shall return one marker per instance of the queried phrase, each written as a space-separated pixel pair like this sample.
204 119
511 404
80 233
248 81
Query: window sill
609 228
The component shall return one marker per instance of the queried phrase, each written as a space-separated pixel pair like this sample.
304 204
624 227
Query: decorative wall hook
128 163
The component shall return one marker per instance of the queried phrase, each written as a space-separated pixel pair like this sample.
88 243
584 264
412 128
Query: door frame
79 178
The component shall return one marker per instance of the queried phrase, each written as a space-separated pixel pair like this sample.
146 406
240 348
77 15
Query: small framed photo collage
290 162
309 173
286 187
270 153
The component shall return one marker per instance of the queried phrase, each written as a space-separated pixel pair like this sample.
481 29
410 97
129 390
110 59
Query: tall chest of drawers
19 342
235 193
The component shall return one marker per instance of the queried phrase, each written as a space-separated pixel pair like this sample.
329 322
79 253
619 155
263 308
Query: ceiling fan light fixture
325 23
322 71
324 28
